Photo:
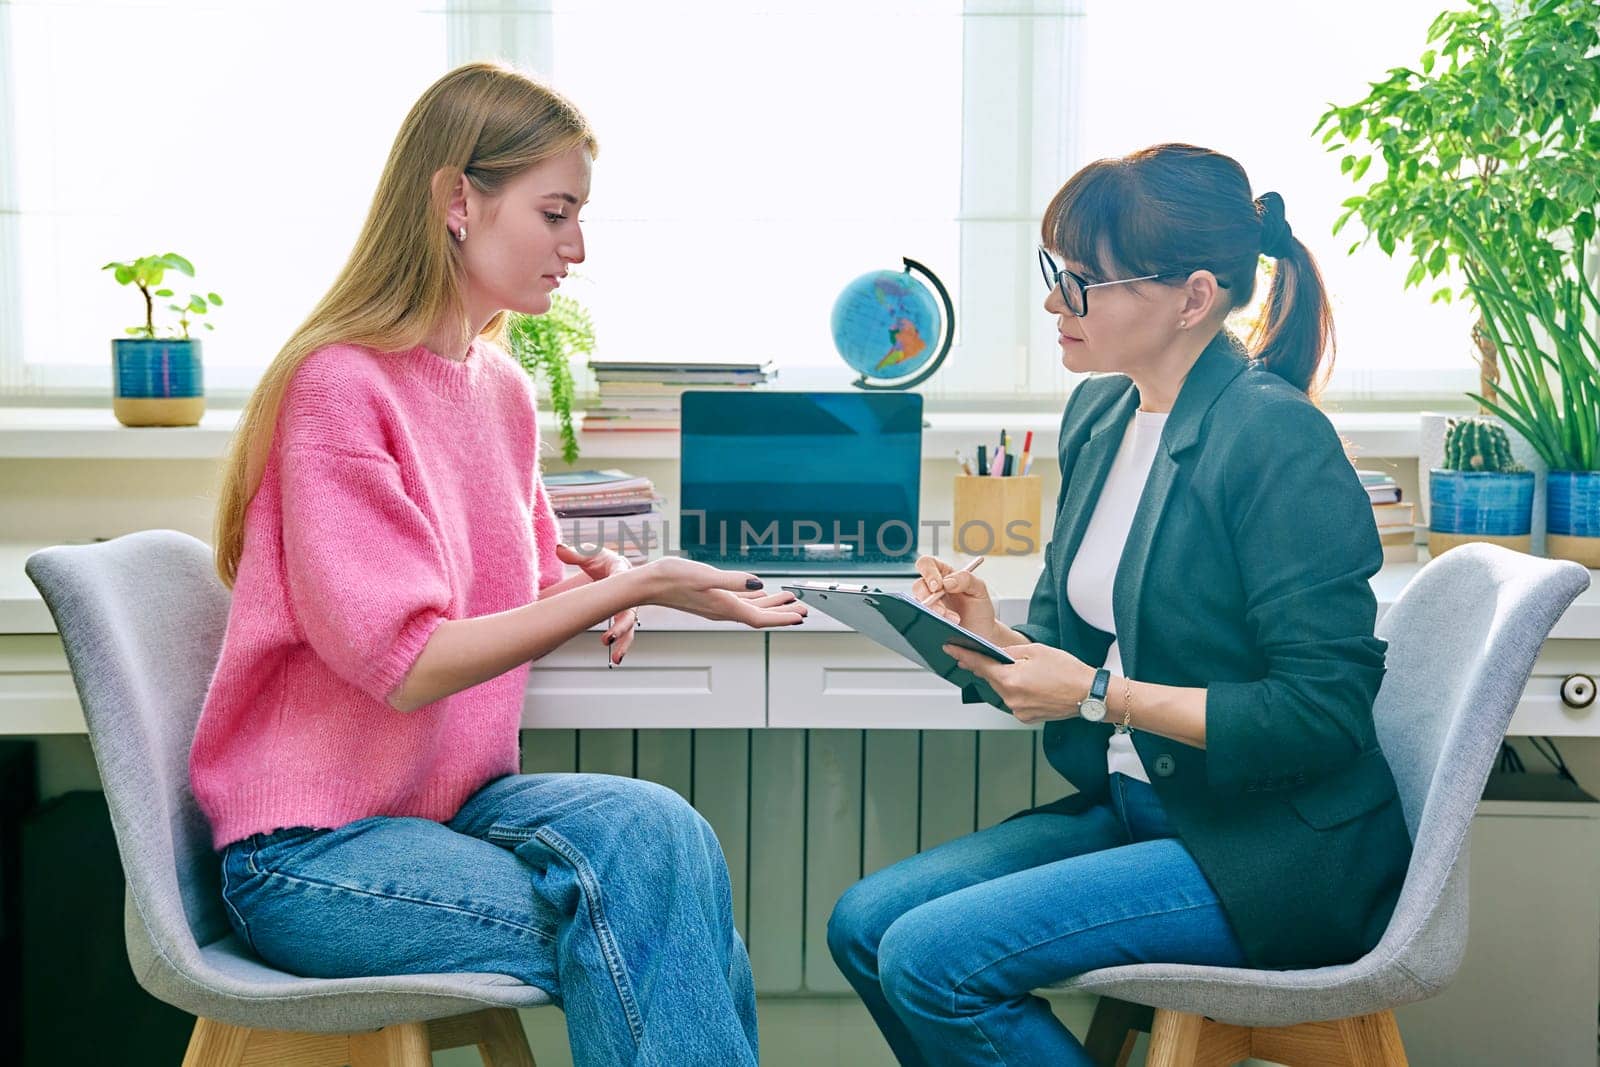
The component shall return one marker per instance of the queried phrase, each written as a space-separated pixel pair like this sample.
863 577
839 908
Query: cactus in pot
1481 493
1475 444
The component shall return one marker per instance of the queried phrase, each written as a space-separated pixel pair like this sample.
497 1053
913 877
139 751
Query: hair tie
1276 236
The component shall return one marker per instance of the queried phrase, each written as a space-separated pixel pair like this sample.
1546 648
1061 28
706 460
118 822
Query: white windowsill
93 433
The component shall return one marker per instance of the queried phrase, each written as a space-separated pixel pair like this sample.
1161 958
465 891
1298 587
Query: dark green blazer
1246 574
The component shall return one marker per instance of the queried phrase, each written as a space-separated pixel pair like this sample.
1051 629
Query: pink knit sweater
402 489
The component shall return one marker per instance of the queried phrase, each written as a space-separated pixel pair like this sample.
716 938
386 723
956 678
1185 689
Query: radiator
802 814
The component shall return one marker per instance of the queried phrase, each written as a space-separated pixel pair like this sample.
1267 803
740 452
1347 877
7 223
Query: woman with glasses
1199 647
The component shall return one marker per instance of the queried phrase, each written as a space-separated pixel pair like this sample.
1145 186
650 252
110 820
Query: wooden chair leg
1179 1039
1114 1029
1363 1041
502 1042
400 1045
497 1032
214 1044
1373 1039
217 1044
1174 1040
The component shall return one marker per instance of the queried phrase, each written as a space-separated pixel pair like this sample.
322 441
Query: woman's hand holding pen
965 601
1044 683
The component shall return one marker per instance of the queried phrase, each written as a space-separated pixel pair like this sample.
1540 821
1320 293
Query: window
773 152
1250 79
749 170
248 137
755 157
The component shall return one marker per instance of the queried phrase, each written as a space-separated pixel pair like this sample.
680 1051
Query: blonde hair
403 278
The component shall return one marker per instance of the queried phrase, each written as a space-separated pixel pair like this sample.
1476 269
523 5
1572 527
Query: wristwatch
1092 708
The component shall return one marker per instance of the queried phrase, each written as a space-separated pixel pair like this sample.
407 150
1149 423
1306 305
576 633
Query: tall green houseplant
1490 166
544 345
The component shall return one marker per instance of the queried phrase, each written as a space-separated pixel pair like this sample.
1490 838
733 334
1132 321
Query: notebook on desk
801 483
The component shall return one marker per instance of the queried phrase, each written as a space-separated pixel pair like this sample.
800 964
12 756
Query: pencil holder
997 516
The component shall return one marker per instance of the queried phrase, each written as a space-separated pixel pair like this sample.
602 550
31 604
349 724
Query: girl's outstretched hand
719 595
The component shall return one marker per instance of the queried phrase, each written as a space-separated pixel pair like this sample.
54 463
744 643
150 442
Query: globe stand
949 332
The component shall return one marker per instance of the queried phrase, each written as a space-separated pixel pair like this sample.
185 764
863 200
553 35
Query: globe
887 326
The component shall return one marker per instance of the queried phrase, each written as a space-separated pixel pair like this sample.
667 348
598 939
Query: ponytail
1178 207
1294 338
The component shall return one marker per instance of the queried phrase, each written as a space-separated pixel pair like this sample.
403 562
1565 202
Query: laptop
801 483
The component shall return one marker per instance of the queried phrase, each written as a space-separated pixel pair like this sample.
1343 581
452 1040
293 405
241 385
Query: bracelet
1127 706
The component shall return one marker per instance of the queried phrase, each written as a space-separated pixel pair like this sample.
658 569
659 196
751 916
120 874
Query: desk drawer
708 680
847 681
1541 711
36 691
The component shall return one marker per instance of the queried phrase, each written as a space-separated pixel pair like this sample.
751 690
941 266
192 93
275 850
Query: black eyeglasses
1075 288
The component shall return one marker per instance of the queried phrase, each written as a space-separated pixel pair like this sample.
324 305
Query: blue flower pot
1572 516
157 382
1491 506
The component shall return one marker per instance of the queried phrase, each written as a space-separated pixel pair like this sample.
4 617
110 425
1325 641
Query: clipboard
900 623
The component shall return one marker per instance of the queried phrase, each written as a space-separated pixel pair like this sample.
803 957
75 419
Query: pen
998 467
966 468
969 568
983 460
1005 472
1027 448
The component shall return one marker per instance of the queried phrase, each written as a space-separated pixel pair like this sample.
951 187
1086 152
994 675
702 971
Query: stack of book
647 397
1396 518
609 508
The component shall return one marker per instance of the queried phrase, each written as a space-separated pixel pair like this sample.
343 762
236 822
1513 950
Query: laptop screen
769 472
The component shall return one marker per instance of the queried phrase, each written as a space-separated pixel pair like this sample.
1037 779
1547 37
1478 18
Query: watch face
1091 709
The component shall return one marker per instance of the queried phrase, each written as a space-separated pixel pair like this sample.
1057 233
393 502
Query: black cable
1510 761
1554 757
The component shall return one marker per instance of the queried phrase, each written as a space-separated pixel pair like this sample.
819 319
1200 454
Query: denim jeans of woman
610 894
946 947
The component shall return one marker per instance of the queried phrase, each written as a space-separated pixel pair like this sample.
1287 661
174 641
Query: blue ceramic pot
1480 502
157 382
1572 516
1573 503
1491 506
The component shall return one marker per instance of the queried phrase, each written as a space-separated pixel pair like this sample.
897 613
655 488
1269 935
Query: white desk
803 813
685 672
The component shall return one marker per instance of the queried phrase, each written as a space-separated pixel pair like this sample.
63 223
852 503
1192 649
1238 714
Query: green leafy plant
147 273
1478 445
1543 334
544 345
1490 154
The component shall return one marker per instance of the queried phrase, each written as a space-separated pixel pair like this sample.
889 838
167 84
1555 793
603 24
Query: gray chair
142 618
1463 636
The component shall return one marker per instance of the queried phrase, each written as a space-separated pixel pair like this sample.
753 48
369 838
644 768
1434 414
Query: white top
1094 569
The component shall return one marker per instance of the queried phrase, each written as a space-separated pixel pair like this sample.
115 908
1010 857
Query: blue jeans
945 947
611 894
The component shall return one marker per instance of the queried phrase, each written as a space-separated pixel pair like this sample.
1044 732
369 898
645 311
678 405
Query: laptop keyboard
794 563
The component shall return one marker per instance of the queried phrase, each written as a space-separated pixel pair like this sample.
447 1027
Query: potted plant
1480 493
544 345
1494 137
1489 169
156 380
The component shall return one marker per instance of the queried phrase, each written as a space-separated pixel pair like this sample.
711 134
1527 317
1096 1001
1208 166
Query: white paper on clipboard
902 624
